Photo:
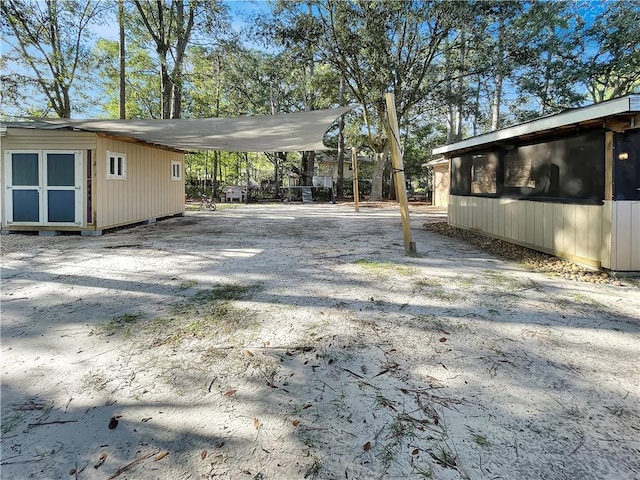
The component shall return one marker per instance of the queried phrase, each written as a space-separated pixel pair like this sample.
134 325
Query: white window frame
120 173
43 188
176 170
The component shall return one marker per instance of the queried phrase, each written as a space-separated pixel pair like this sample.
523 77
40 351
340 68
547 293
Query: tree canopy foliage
456 68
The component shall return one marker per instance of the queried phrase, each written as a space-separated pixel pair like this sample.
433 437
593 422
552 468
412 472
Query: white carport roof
288 132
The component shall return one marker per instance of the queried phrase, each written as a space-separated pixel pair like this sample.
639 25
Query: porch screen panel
460 181
626 166
24 169
564 169
61 206
61 169
26 205
484 174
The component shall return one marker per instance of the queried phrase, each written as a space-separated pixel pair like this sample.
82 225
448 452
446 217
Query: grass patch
438 290
226 292
383 270
121 325
428 283
465 280
499 279
209 313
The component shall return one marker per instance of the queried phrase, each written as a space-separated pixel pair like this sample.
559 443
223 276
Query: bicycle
207 202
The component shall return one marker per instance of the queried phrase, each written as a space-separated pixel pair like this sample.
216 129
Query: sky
240 12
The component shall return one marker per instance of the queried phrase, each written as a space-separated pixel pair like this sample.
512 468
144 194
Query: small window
116 166
176 170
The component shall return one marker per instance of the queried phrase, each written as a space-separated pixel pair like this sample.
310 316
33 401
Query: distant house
61 179
440 181
567 184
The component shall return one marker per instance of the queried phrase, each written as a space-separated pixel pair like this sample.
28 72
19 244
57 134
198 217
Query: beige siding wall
37 140
148 191
441 185
570 231
27 139
625 235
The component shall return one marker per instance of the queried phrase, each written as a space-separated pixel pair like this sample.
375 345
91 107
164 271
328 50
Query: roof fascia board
626 104
124 139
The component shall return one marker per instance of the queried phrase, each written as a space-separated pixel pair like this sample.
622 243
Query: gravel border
532 259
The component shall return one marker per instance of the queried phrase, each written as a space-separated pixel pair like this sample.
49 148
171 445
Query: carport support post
356 192
398 172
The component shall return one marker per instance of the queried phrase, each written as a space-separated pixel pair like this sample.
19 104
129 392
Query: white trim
42 188
176 170
116 166
630 103
9 187
77 187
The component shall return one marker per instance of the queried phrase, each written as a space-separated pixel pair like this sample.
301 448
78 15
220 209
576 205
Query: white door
62 187
43 187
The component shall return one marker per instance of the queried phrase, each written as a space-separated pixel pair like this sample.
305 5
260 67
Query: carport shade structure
289 132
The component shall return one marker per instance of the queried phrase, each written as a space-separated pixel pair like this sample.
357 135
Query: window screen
626 166
26 206
484 170
61 169
564 169
24 169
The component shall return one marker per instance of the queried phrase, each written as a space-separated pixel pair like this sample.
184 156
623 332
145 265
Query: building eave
585 116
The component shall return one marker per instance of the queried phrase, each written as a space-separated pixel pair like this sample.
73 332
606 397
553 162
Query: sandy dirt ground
299 341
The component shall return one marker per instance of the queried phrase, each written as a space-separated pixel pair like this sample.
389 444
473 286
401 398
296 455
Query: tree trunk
461 95
308 164
214 172
165 86
123 97
497 94
340 185
176 98
379 161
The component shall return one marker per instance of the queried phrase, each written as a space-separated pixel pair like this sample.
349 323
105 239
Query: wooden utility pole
356 193
398 172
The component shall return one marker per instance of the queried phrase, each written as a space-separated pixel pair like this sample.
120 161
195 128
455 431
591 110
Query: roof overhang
288 132
435 162
580 116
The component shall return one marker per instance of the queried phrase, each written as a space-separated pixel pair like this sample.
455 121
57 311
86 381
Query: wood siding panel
488 215
558 227
606 235
573 231
513 214
529 223
468 213
147 192
594 231
569 230
635 236
538 223
547 225
521 219
581 230
507 208
33 139
498 218
625 236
